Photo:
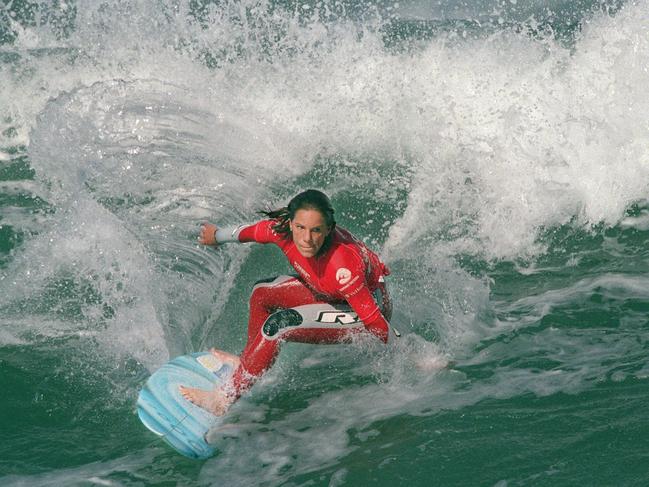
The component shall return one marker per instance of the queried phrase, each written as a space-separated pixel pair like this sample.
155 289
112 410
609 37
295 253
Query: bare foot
226 357
215 401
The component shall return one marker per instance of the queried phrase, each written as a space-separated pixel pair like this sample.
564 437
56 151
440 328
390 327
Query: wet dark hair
311 199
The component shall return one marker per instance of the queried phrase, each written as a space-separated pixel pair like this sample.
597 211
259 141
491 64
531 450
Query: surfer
334 270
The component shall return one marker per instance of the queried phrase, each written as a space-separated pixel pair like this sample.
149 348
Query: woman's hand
207 235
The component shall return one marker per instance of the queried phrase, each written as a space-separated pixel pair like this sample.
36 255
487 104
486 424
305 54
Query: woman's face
309 231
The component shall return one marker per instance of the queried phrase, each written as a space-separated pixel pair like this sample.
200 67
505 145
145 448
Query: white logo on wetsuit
341 317
343 275
301 270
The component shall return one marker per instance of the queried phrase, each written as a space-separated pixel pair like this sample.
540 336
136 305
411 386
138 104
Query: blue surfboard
163 410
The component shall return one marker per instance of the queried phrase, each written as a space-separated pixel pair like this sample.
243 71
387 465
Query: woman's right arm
260 232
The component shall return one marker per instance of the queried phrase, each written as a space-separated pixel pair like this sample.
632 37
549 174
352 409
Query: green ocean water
496 154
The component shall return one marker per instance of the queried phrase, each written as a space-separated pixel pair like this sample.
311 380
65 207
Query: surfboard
164 411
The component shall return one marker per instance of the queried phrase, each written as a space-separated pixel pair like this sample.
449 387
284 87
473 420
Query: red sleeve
350 277
260 232
369 313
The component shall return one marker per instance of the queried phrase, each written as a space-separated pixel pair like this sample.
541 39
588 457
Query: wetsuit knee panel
279 320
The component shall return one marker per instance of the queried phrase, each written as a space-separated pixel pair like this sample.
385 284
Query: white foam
639 222
531 136
86 251
91 473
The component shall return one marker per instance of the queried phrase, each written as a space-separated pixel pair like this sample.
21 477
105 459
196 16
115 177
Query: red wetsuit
346 271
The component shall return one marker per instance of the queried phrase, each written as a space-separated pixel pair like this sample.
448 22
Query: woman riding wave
339 291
